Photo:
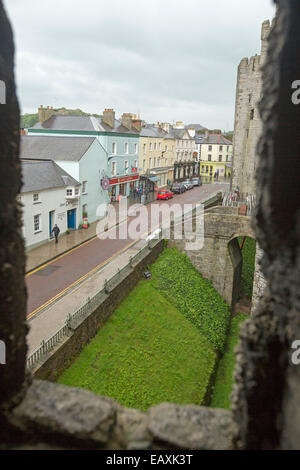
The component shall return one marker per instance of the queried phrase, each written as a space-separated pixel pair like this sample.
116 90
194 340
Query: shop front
122 187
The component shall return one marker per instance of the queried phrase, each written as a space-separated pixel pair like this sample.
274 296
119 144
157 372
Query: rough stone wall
266 397
67 417
12 257
259 281
248 125
220 259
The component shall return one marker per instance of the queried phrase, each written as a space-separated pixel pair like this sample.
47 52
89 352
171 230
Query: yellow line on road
74 249
60 294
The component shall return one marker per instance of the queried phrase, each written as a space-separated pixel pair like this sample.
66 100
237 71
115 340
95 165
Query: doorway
72 219
51 222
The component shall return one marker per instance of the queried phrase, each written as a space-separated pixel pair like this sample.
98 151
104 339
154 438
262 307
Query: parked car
188 184
196 181
164 194
178 188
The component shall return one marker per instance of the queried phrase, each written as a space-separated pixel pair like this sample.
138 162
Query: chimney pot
109 117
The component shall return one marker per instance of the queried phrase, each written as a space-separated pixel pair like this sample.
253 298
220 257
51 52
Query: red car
164 194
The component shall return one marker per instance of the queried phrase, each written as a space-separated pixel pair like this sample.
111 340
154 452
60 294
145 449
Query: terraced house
119 140
84 159
49 196
185 165
216 156
156 154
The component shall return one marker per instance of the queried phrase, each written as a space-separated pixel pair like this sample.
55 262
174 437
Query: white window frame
114 168
126 148
36 200
114 148
136 148
39 229
126 166
84 187
69 191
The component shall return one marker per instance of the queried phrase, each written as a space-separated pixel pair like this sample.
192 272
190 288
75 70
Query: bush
194 296
248 253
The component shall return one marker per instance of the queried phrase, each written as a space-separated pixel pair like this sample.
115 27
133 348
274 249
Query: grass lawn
194 296
248 252
147 352
224 377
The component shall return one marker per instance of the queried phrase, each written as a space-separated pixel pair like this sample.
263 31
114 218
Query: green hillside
29 120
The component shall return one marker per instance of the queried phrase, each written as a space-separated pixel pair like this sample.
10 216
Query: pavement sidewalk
49 320
51 250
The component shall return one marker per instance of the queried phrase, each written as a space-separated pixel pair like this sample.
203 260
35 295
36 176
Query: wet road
54 279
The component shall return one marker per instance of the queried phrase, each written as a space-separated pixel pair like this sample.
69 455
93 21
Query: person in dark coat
56 231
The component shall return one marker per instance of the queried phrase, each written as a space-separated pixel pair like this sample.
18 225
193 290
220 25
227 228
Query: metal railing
89 307
233 199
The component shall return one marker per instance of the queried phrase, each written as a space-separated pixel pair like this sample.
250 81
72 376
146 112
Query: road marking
74 249
60 294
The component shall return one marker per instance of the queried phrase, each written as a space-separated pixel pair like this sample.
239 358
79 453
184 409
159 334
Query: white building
49 196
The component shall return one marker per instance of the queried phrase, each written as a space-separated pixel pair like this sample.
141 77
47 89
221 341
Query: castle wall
248 125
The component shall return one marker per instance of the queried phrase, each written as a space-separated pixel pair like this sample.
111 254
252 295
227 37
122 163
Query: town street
53 280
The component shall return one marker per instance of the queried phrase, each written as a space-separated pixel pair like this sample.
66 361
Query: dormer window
69 192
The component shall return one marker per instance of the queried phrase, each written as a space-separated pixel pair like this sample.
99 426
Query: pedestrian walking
56 231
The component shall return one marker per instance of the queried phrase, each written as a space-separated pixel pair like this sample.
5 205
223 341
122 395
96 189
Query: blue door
51 223
72 219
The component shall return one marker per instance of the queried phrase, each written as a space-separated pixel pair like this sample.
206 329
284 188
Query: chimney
109 117
45 113
137 124
179 125
127 120
165 126
191 132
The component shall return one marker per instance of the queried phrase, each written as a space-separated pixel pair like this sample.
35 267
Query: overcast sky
169 60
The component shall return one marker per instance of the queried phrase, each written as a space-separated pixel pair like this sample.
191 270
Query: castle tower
247 123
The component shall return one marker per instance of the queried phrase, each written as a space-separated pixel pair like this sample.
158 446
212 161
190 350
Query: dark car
178 188
188 184
196 181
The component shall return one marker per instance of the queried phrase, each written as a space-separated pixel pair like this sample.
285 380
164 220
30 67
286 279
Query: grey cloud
168 60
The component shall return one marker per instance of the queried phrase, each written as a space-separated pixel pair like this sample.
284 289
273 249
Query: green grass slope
194 296
147 352
224 377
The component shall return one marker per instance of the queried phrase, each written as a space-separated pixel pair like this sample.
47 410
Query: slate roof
153 131
216 139
82 123
44 175
54 148
197 127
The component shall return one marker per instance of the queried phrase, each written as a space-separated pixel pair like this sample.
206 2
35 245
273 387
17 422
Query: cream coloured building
156 153
215 156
